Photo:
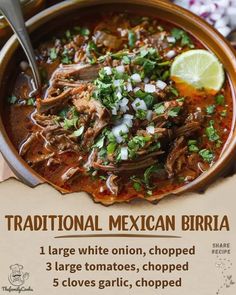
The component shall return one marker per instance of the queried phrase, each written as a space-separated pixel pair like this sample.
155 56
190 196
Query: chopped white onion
128 116
136 78
161 84
219 13
114 111
136 89
128 120
119 139
116 83
119 130
124 105
149 88
149 115
222 22
101 190
146 80
231 12
150 129
224 31
139 104
108 70
123 102
171 54
171 39
124 153
216 16
120 69
128 123
129 87
119 95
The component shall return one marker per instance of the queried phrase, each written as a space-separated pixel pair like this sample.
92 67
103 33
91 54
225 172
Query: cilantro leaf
207 155
12 99
220 99
211 132
111 148
210 109
159 108
174 111
131 39
53 54
181 36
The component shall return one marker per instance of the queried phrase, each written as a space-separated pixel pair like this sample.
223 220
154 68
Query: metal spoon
11 9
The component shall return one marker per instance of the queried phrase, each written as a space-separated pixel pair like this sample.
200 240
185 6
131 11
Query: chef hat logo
17 277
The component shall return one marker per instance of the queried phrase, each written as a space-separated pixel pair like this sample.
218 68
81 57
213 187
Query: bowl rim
32 178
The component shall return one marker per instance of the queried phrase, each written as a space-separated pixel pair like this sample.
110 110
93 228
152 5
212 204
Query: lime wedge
198 68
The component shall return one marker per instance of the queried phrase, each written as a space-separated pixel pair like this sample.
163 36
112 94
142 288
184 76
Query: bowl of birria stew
138 101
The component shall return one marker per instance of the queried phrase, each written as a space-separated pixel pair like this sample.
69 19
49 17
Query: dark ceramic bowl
54 17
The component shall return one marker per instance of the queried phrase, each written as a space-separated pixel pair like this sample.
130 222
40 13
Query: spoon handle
11 9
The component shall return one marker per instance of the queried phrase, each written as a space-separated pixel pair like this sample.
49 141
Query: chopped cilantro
192 142
181 179
159 108
193 148
30 101
53 54
147 97
102 153
131 39
84 31
137 183
148 173
211 132
210 109
174 91
137 186
148 60
141 114
69 123
12 99
126 60
223 113
165 75
164 63
120 54
149 193
111 148
72 121
218 143
220 99
207 155
90 50
154 147
181 99
136 143
63 113
181 36
100 142
66 58
174 111
148 65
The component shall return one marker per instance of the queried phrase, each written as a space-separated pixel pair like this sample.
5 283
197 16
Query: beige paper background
203 278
